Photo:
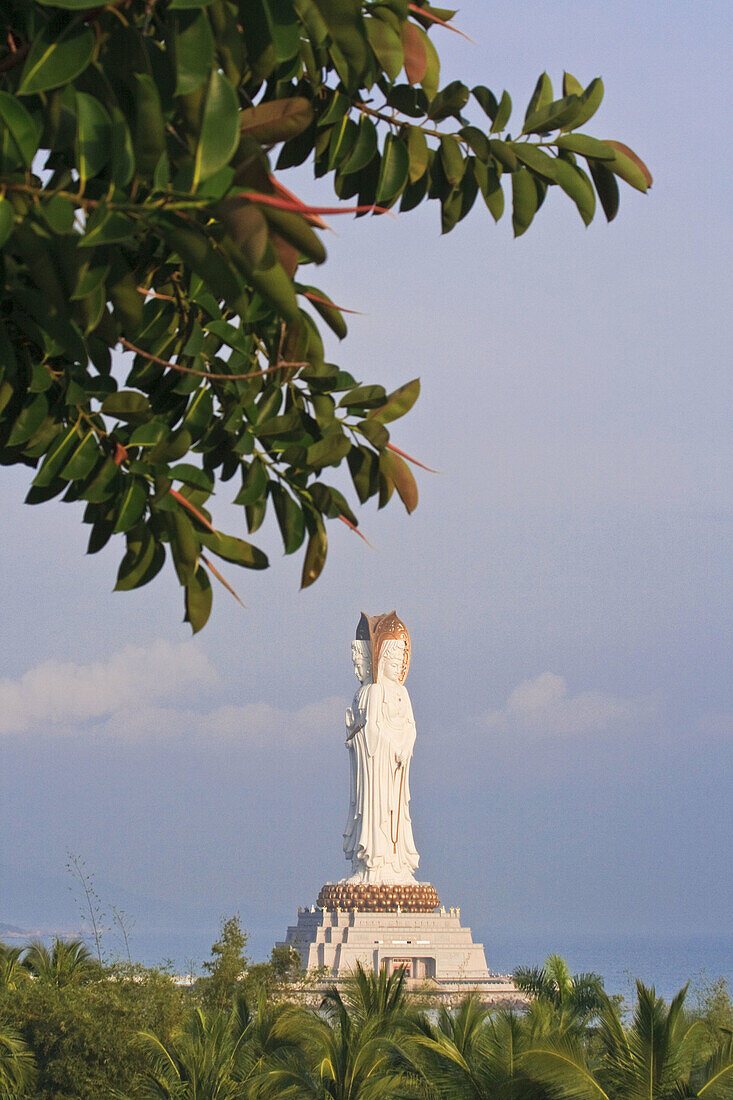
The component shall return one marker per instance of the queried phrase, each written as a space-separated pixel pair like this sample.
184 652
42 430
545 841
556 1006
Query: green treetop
142 149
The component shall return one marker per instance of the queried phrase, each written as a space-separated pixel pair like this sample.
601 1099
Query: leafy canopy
142 145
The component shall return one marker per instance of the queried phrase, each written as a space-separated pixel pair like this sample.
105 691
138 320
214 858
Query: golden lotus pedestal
418 897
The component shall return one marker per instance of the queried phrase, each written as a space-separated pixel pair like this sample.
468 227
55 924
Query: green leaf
193 49
393 170
486 100
59 214
364 149
417 150
60 51
541 96
56 456
24 132
7 217
123 157
588 104
607 188
106 226
571 86
552 116
449 102
29 421
83 460
503 113
349 49
184 544
397 471
254 483
399 402
199 413
234 550
524 201
149 434
277 119
148 137
477 141
193 476
490 187
127 405
586 146
576 184
290 518
387 46
131 504
219 135
138 558
452 158
315 556
540 162
629 167
93 136
343 139
330 313
374 432
103 485
199 598
328 451
363 397
364 469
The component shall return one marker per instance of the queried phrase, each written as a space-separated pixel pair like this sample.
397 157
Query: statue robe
378 836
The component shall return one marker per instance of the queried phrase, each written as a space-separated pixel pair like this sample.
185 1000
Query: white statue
380 738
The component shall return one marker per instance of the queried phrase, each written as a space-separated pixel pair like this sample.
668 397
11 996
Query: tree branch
204 373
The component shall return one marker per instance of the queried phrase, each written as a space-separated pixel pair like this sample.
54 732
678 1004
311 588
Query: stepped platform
434 950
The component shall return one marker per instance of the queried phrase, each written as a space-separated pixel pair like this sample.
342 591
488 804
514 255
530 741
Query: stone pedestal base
437 954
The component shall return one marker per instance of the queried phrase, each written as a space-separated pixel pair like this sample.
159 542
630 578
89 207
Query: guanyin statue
380 738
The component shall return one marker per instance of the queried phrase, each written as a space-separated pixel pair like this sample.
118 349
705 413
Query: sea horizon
666 960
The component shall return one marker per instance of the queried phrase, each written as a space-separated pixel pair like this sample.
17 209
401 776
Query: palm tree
17 1065
369 996
199 1064
219 1055
553 984
68 962
358 1052
12 971
474 1054
653 1059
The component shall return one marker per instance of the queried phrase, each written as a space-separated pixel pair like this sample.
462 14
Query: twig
154 294
217 574
441 22
15 58
404 454
192 509
205 373
355 529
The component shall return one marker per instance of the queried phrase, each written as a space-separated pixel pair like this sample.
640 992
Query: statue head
379 631
392 660
361 655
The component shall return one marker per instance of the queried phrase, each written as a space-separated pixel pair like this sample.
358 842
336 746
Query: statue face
361 661
392 660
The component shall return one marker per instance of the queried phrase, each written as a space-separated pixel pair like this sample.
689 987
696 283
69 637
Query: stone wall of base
433 949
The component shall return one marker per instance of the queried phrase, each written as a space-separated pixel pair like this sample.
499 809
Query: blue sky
566 577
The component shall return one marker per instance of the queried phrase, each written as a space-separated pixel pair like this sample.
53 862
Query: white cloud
59 693
254 724
543 707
